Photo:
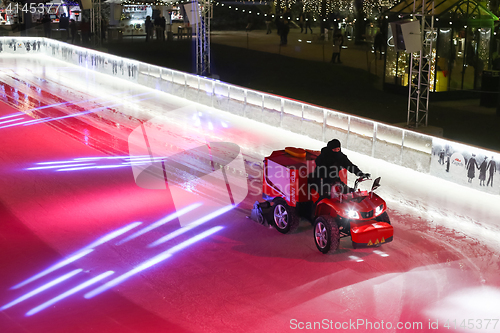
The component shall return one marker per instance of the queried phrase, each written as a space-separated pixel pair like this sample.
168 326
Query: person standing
104 28
269 19
441 156
47 25
284 30
482 171
378 44
308 21
73 30
148 25
301 21
492 166
64 25
249 22
85 29
471 168
160 24
338 41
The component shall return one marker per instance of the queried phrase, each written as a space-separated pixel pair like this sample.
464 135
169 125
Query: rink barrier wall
393 144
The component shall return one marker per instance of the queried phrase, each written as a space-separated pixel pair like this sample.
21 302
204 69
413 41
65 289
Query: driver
328 165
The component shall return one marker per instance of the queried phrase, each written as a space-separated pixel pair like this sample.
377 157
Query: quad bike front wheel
284 217
326 234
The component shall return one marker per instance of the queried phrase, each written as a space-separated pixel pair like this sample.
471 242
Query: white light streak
58 166
52 268
40 289
13 115
161 222
69 293
9 121
190 226
151 262
111 235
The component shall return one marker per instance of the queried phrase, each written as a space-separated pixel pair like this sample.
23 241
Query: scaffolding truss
203 37
96 23
420 69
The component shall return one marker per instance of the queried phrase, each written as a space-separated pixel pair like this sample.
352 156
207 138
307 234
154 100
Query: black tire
326 234
284 218
384 217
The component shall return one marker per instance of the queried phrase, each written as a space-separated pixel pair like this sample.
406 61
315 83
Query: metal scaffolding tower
203 37
96 23
420 67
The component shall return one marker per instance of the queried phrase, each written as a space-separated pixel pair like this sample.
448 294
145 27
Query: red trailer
358 214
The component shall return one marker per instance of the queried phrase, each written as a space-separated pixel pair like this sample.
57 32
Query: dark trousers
149 34
490 179
308 25
336 57
284 39
160 34
380 49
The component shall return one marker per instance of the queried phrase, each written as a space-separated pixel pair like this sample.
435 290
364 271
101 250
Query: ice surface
443 261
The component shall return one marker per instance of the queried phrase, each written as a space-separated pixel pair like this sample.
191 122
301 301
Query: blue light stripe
68 293
93 167
151 262
40 289
24 122
161 222
111 235
81 253
9 121
58 166
17 114
190 226
52 268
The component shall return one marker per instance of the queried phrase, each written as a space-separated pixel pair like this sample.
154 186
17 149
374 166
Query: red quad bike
359 214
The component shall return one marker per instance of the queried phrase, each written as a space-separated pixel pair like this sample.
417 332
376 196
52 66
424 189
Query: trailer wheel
284 217
326 234
384 217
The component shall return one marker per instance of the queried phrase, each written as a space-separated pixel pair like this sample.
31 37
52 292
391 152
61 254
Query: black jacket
330 163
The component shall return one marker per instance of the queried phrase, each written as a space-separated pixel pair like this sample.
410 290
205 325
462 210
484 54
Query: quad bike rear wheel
326 234
284 217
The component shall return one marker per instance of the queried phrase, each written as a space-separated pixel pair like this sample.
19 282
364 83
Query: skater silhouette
471 168
482 171
492 166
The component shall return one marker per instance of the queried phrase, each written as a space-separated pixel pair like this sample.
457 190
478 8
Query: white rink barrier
424 153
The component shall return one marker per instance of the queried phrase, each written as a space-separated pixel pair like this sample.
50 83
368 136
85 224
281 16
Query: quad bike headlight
378 210
352 214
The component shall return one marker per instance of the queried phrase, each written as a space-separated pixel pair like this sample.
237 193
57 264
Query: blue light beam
59 166
111 235
52 268
24 122
94 167
68 293
151 262
40 289
44 120
17 114
9 121
190 226
81 253
161 222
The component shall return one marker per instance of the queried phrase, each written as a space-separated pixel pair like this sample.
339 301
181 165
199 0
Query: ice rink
76 230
